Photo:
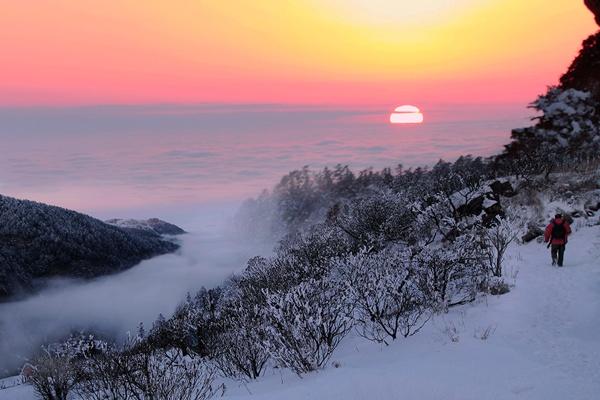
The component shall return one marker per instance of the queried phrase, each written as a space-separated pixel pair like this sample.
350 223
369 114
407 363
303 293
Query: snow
543 344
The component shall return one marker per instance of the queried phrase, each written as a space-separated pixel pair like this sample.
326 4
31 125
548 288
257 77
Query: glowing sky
129 104
311 51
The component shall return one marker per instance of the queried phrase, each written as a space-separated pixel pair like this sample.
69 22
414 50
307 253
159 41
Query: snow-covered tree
567 131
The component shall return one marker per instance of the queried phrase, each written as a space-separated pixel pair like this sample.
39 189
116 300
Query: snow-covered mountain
39 241
153 225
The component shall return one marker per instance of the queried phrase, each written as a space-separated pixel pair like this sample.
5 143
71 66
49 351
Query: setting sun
406 115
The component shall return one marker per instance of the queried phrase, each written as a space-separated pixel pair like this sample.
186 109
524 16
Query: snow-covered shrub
166 375
497 240
386 294
376 219
241 345
53 375
453 273
498 286
53 378
195 326
104 376
306 323
306 255
59 368
138 371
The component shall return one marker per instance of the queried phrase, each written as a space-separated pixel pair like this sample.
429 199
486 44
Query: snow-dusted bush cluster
306 323
391 250
135 370
386 292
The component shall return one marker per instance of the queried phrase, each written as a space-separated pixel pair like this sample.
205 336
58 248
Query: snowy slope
544 344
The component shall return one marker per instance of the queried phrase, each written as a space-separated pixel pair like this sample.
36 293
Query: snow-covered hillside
153 225
540 341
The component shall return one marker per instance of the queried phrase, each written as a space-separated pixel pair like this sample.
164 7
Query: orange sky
311 51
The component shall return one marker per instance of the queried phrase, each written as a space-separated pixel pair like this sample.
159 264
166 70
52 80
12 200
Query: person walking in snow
556 235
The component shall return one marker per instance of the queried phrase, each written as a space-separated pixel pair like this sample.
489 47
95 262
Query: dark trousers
558 253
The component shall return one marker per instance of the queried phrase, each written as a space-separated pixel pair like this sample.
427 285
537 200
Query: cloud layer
111 158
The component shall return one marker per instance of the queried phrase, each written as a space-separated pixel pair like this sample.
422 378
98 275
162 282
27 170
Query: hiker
556 235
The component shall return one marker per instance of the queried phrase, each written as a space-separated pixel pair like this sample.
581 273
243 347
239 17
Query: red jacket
550 228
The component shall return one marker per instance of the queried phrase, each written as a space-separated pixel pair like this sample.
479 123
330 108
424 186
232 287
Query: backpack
558 231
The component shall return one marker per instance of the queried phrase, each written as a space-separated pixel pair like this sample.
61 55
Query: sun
400 11
406 115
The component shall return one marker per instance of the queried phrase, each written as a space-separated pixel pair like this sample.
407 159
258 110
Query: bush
137 371
306 324
195 326
497 239
241 345
386 295
497 286
453 273
53 375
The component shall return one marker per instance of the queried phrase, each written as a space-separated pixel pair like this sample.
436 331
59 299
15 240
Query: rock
494 209
594 6
576 214
502 189
472 208
533 232
492 213
593 207
569 217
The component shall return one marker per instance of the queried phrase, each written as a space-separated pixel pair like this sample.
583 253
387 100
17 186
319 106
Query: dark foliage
38 241
584 72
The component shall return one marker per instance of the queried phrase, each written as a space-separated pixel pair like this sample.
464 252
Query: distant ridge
38 241
153 225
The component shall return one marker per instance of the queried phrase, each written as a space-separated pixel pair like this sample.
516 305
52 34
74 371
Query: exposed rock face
38 241
153 224
502 189
594 6
533 232
488 205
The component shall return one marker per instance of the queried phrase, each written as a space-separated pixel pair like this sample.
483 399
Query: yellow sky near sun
277 50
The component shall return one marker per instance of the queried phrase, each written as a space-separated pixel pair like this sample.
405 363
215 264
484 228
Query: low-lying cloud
116 304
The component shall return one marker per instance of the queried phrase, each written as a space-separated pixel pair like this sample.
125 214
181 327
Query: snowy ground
544 344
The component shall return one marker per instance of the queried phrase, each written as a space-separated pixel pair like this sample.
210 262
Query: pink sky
311 51
330 70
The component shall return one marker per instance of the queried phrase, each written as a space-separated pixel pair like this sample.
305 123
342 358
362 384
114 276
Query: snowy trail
561 310
544 344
